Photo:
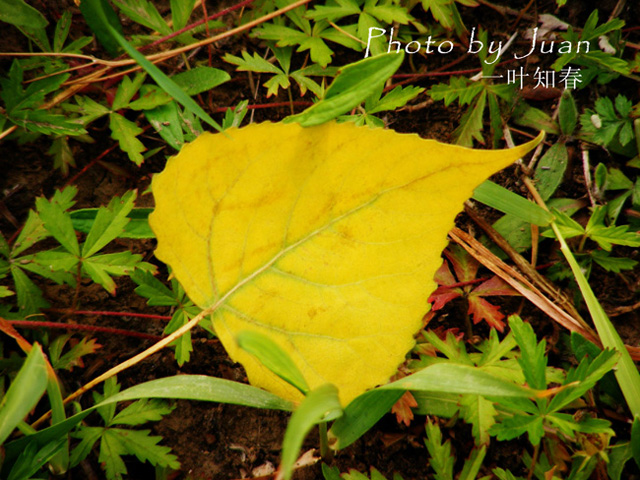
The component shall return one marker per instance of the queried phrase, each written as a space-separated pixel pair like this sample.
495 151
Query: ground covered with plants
119 323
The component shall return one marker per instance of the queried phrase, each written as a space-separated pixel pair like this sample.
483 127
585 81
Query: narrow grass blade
361 414
24 393
502 199
626 371
320 405
272 357
161 79
188 387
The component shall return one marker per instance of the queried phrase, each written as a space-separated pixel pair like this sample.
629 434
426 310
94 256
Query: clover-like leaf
325 239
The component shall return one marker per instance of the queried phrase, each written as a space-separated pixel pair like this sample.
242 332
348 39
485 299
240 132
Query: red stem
110 313
86 328
198 23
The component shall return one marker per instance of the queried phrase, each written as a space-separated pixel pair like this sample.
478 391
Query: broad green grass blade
361 414
161 79
353 85
320 405
626 371
24 393
502 199
272 357
188 387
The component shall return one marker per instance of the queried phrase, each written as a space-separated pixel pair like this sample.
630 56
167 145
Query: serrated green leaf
137 227
58 224
458 88
144 13
101 267
613 264
89 109
441 459
125 132
52 264
532 353
396 98
62 155
62 31
352 86
88 437
142 411
153 289
480 413
109 223
518 424
126 90
471 126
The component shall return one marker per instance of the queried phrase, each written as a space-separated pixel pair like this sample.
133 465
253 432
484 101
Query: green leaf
58 224
635 440
24 393
441 459
101 267
153 289
473 464
396 98
272 357
567 113
125 132
137 226
102 13
612 264
62 155
480 413
62 31
200 79
471 123
101 19
142 411
20 14
458 88
33 459
320 405
166 121
180 13
144 13
550 170
520 424
133 442
506 201
126 90
29 296
88 437
109 223
352 86
532 353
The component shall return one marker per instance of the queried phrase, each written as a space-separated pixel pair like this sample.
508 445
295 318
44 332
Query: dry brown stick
525 267
521 284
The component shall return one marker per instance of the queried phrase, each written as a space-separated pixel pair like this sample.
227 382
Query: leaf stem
325 452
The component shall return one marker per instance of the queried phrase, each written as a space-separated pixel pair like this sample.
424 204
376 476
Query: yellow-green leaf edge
326 239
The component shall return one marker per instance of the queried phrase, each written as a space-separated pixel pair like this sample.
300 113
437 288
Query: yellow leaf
326 239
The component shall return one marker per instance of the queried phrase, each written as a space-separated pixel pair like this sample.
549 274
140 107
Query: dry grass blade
521 284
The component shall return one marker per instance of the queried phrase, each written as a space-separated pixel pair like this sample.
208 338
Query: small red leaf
494 286
480 309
